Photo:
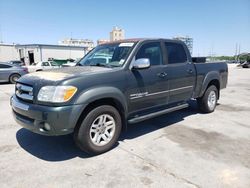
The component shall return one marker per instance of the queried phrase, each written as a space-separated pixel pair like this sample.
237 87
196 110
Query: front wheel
207 103
99 130
13 78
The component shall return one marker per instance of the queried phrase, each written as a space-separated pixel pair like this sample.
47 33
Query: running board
155 114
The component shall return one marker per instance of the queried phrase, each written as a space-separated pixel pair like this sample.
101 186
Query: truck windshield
107 55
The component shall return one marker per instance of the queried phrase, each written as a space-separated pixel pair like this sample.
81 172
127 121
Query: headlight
56 94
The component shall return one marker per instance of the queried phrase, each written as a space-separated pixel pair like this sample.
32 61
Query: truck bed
213 69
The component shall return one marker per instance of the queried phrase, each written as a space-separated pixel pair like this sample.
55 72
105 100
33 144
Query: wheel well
105 101
216 83
14 74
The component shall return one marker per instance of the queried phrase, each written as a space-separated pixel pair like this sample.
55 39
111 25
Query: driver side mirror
141 63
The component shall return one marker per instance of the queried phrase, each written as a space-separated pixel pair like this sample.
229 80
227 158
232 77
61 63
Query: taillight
25 69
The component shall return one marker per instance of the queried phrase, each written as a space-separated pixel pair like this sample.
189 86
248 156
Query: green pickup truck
95 100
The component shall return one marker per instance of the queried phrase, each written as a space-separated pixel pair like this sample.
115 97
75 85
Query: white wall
41 52
8 53
61 53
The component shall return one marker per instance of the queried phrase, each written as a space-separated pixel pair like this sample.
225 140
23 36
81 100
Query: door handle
162 74
190 71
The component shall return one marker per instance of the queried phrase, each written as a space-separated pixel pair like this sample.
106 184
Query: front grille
23 118
24 92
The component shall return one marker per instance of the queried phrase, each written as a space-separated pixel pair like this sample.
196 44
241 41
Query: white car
40 66
71 64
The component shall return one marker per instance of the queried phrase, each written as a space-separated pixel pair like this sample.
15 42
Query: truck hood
57 75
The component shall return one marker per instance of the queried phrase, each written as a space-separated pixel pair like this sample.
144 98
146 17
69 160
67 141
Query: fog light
47 127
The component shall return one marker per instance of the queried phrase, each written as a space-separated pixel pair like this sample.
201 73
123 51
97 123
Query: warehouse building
30 53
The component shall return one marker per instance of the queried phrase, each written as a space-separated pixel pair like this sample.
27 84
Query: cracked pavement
180 149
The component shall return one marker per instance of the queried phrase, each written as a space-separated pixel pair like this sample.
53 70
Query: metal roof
50 45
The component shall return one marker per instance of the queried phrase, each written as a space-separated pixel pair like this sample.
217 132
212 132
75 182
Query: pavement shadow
54 148
145 127
61 148
5 83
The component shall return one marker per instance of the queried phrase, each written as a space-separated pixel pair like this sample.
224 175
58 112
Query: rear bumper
37 118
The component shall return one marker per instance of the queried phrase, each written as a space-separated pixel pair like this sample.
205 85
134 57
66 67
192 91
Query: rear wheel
13 78
207 103
99 130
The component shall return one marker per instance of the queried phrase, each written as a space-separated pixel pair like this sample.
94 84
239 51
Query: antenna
1 34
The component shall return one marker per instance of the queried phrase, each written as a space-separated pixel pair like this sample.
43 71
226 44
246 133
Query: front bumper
36 118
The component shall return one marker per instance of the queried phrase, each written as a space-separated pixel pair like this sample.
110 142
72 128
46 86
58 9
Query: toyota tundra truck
96 99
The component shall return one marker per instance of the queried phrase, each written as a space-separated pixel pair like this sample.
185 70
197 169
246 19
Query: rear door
148 88
5 71
180 72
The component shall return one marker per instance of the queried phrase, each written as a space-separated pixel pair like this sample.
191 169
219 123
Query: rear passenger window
175 52
152 51
45 64
2 66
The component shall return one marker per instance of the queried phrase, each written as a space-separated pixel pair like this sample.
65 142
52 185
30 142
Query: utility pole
236 51
239 50
238 55
70 45
1 34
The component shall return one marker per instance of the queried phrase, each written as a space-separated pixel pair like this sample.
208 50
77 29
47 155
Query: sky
216 26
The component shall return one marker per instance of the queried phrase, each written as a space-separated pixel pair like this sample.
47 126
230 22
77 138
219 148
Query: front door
148 88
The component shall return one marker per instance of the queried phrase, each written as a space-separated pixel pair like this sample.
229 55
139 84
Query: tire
207 103
13 78
90 134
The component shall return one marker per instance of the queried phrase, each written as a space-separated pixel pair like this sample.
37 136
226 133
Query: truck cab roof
135 40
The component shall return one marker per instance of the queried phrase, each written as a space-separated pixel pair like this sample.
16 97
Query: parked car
246 64
11 73
16 62
144 78
99 59
40 66
70 63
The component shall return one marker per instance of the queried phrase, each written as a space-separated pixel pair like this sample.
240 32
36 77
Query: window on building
152 51
175 52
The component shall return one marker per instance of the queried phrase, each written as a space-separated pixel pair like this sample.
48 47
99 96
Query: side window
152 51
2 66
45 64
175 52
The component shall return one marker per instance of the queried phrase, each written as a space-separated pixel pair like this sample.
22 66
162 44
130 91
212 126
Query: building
102 41
117 34
30 53
187 40
77 42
